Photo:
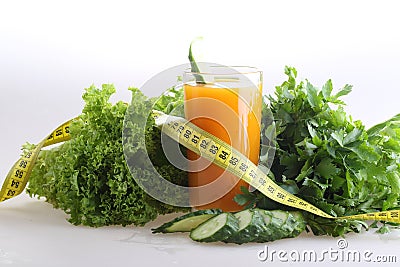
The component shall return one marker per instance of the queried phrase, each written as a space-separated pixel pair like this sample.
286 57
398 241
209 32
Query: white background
50 51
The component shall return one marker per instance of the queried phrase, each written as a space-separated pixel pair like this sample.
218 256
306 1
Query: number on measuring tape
302 203
19 173
262 181
59 132
271 189
214 149
187 134
173 124
180 129
195 139
280 195
243 167
14 183
223 155
253 174
233 161
371 216
23 164
204 144
313 208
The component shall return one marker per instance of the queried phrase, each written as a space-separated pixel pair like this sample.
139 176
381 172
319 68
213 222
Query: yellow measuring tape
202 143
18 176
225 156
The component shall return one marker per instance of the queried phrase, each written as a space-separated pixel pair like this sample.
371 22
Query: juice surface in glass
233 115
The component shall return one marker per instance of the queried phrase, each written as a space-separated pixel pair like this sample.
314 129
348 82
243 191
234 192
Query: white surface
34 234
49 52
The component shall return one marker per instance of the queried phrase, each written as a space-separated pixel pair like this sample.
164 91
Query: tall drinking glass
226 102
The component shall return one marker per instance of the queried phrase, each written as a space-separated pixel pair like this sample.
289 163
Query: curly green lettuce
88 177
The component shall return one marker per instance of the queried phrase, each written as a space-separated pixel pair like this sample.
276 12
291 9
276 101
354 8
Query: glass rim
236 69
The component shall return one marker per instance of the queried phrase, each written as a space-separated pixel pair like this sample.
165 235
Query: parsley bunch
328 159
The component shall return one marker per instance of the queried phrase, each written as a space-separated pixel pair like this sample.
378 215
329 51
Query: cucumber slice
215 229
274 226
251 224
269 229
280 216
300 224
192 59
294 224
284 221
187 222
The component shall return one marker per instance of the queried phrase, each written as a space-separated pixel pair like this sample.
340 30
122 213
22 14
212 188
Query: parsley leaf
336 163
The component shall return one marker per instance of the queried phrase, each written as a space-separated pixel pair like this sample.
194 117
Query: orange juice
233 115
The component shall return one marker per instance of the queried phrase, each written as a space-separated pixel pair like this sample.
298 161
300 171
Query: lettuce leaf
87 176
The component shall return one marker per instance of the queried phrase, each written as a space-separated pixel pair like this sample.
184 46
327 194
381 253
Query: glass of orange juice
226 102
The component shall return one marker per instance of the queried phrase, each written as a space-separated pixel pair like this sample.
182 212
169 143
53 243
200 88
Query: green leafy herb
332 161
87 176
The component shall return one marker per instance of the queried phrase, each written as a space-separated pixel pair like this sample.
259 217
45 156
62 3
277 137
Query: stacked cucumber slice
218 228
187 222
250 225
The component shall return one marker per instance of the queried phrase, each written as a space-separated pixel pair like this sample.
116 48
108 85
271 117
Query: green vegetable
193 64
215 229
327 158
279 219
299 223
280 224
322 156
251 225
87 176
187 222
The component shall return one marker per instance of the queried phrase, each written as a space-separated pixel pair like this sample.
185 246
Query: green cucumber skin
277 229
270 229
300 225
292 227
285 226
186 225
231 226
250 232
174 225
264 225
